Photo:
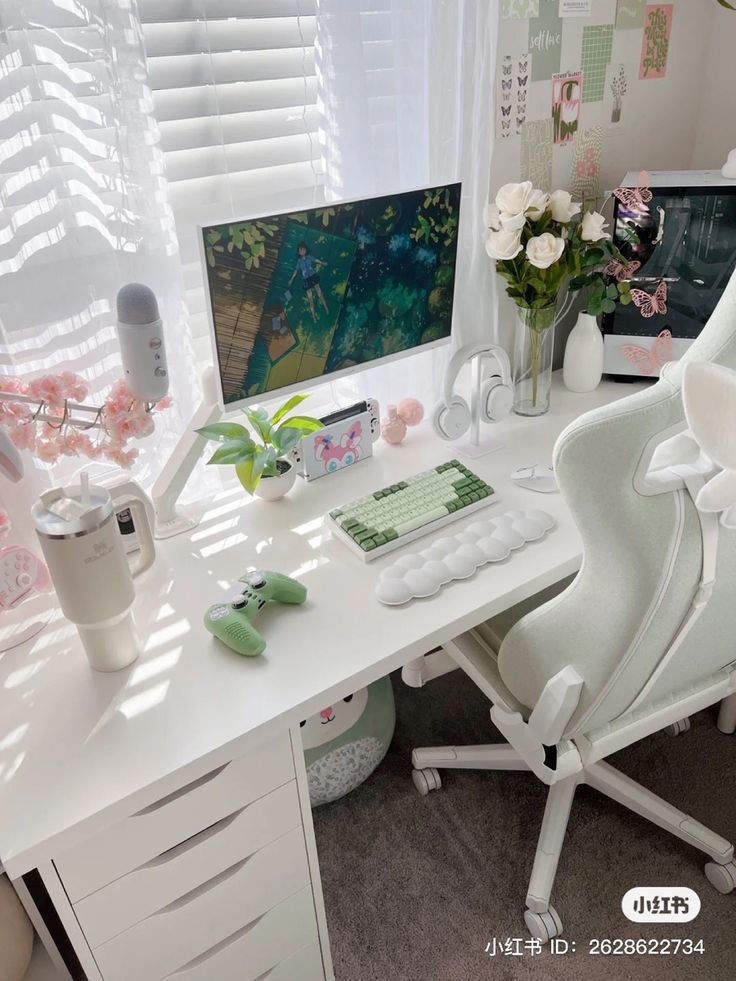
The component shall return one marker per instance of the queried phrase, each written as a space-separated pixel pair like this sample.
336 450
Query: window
235 96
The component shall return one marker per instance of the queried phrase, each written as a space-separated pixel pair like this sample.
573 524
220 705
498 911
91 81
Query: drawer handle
219 947
193 894
181 792
177 850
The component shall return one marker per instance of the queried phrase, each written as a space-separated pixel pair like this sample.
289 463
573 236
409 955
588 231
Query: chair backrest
642 559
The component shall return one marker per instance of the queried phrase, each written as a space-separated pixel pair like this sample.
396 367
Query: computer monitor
310 295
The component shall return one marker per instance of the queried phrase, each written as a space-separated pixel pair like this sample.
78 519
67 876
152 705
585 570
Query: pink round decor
411 411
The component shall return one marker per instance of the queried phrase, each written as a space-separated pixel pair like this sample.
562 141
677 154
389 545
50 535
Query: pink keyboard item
22 572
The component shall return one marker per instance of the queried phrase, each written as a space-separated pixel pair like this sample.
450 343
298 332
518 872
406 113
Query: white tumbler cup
84 550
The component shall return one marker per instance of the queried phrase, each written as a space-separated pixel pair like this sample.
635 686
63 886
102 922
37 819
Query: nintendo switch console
347 437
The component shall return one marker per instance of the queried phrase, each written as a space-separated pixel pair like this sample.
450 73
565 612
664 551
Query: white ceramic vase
582 367
274 488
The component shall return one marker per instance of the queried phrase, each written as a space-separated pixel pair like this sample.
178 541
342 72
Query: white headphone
452 416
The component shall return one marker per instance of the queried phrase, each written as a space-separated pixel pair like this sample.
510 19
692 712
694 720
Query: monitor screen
296 297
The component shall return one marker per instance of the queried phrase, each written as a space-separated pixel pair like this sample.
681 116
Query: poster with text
545 41
655 42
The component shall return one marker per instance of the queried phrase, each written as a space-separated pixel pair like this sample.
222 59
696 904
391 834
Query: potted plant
538 245
260 458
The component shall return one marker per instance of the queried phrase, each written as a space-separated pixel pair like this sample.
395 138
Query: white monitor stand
170 519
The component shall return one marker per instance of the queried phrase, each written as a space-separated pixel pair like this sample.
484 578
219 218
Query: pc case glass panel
688 238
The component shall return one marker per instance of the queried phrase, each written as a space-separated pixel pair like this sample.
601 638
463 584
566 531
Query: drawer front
304 965
137 839
134 896
259 947
192 925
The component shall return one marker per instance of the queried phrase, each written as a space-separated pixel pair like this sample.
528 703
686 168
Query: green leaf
250 470
625 299
727 5
258 418
595 305
224 431
608 306
306 423
612 291
292 403
285 438
234 451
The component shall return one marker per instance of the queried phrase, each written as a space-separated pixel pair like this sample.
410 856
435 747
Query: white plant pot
582 367
274 488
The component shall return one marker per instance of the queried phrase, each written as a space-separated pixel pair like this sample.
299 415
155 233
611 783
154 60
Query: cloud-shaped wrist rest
458 556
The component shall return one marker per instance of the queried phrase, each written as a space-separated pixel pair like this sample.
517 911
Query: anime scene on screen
301 295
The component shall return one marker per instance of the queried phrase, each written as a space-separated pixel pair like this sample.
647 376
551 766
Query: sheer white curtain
404 93
84 202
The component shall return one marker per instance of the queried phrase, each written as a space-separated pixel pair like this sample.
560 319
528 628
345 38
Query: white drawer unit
131 843
177 934
304 965
258 949
142 892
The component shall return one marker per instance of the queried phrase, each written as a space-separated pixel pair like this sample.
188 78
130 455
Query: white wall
685 120
715 134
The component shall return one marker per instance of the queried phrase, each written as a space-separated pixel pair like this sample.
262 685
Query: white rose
592 228
544 250
492 216
504 244
513 199
562 206
537 205
513 223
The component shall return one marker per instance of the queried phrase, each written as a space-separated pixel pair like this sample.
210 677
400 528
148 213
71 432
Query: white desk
80 751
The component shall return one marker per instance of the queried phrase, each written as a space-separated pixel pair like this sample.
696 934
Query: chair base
540 916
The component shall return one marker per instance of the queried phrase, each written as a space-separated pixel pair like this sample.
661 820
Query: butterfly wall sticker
651 303
622 271
636 198
650 361
506 84
506 110
522 80
506 69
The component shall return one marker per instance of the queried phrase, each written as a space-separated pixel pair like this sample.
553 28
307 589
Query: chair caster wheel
677 728
721 877
426 780
543 926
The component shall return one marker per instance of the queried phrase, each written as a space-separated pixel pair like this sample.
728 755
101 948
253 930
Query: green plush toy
346 741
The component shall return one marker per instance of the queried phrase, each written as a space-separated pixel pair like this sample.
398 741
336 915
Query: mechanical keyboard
389 518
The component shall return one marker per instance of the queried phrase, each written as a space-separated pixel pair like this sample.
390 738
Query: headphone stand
477 445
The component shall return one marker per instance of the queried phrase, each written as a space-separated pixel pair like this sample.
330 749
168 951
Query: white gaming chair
643 636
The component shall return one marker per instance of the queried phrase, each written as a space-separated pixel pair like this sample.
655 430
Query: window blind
235 96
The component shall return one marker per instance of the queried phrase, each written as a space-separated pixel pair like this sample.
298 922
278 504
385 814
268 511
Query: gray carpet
416 887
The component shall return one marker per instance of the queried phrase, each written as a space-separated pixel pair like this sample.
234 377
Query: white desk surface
80 749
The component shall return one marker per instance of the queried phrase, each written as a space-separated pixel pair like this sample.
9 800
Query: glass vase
532 365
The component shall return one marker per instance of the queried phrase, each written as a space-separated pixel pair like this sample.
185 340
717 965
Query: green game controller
231 622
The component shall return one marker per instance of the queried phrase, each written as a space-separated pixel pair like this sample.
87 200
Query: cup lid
63 512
